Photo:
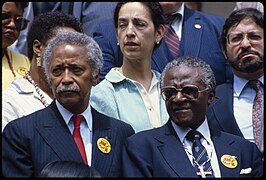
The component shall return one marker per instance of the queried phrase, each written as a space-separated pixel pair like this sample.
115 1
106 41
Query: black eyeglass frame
188 96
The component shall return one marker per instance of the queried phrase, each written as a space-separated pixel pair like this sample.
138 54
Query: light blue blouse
120 98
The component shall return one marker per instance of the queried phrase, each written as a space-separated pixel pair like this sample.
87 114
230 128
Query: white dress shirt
206 142
85 127
244 96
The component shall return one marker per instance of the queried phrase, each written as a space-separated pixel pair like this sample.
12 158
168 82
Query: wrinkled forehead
183 75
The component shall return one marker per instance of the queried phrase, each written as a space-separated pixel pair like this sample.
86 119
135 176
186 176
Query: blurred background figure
88 13
20 45
14 64
30 93
257 5
194 5
68 169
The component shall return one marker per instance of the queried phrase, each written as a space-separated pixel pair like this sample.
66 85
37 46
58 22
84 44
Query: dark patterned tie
201 162
257 111
77 136
170 36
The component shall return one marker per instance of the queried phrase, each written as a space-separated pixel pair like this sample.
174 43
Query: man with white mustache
72 62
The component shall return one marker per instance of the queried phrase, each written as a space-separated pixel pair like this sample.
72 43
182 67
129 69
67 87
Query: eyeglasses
189 91
20 22
237 38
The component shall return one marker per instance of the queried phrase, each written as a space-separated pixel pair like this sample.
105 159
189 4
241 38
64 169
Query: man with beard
239 107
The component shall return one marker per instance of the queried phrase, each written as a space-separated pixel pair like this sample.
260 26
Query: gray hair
193 62
94 53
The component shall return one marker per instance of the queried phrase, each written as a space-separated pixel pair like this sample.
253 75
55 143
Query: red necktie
257 111
171 37
77 137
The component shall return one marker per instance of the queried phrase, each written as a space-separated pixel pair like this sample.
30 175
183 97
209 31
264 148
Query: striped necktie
171 38
201 161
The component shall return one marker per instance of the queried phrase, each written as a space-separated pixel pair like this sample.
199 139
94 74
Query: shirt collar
67 115
203 129
239 84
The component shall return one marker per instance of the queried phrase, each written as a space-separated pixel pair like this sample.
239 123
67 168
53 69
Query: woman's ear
159 33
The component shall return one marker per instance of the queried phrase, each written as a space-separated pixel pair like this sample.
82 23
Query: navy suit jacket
220 112
202 43
160 153
31 142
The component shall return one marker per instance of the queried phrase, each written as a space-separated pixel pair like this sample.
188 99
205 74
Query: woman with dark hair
131 92
14 64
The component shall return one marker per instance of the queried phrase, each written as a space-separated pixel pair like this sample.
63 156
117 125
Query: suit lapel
56 134
222 145
101 129
191 32
171 146
161 56
225 101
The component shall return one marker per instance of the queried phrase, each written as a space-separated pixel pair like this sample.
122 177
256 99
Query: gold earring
38 59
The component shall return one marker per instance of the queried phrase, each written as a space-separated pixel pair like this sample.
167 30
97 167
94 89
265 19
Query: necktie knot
201 161
255 84
77 120
193 135
169 18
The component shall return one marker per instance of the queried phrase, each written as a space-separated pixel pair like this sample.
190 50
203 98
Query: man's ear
95 78
211 97
37 47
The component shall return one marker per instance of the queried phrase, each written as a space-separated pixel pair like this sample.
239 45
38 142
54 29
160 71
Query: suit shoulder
238 139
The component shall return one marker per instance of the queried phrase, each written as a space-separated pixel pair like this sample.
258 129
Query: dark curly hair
44 27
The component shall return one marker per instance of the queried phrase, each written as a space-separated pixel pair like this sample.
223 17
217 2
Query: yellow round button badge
104 145
229 161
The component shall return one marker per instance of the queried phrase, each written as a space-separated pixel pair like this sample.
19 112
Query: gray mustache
67 88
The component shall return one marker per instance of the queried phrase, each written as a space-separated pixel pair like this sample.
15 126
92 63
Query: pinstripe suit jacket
31 142
199 42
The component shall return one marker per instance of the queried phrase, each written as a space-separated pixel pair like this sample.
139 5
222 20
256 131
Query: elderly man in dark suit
186 146
198 33
71 62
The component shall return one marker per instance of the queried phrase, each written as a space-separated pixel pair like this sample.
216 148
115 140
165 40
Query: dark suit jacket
202 43
31 142
160 153
220 113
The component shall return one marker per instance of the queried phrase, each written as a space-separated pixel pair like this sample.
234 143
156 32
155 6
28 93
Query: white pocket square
245 171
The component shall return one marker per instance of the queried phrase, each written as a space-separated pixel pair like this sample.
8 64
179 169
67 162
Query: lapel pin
197 26
104 145
229 161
